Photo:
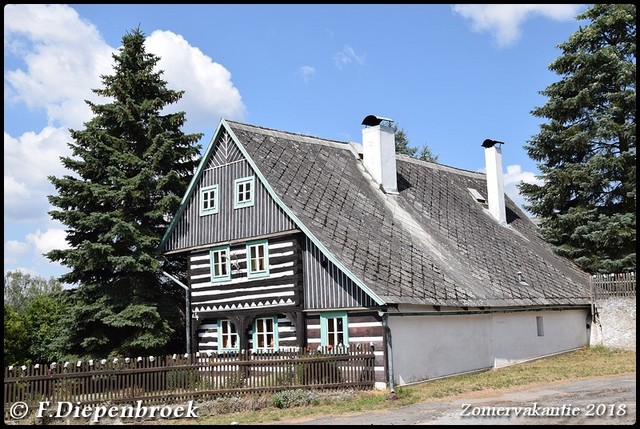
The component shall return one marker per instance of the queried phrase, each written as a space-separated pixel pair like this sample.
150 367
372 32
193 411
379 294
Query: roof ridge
332 142
274 130
438 166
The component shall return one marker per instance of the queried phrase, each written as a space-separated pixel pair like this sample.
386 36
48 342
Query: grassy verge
583 363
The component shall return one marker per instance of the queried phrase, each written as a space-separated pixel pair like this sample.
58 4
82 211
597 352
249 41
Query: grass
584 363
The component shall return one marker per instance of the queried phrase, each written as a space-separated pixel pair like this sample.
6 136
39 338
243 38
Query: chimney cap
490 143
373 120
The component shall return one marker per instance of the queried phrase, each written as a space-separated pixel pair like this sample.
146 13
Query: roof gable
225 148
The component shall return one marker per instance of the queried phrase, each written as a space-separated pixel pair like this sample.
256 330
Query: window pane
257 258
220 258
228 337
335 331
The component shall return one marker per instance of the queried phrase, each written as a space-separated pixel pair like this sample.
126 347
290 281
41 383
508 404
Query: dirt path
607 400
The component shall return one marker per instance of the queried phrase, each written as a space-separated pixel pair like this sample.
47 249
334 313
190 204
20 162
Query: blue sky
449 75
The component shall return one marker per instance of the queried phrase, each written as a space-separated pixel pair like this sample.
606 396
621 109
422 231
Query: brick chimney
495 181
379 152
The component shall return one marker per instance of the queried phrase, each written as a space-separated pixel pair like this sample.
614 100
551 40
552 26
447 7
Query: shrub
292 398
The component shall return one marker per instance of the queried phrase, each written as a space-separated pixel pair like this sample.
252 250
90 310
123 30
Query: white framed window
265 333
257 259
334 330
228 339
244 192
220 264
209 200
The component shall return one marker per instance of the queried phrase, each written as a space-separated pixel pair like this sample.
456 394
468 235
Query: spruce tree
587 150
403 146
402 142
132 165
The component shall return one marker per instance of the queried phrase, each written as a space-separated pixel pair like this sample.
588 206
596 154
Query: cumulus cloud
31 251
53 60
347 56
306 72
63 56
209 90
505 21
13 249
28 161
45 241
512 177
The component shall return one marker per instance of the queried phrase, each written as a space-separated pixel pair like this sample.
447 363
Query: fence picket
193 376
613 285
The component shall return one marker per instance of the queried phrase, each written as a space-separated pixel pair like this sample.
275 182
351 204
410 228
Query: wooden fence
179 378
613 285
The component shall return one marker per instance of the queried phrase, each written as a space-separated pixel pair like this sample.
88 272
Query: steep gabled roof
432 244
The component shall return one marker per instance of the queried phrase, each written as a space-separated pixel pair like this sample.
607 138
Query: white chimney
379 152
495 181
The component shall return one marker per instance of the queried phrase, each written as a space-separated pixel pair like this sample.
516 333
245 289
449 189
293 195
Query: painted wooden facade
289 245
285 306
225 166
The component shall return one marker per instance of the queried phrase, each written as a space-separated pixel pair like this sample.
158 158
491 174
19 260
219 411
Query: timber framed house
298 241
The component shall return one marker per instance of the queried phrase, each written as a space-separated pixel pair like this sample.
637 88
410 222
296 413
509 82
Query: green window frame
244 191
265 333
334 329
220 262
209 200
228 339
258 259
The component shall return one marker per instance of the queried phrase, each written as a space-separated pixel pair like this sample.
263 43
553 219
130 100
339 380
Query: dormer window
209 200
244 192
476 196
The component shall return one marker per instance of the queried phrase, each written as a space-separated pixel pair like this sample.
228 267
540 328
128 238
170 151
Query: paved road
607 400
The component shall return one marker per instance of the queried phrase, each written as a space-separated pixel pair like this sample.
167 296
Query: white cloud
12 250
64 58
505 21
306 72
28 255
512 177
347 56
209 91
14 191
53 60
28 161
52 238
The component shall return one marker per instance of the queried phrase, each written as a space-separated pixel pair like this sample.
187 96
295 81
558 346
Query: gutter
504 310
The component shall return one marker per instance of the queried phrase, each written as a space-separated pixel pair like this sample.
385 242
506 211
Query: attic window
476 196
209 200
244 192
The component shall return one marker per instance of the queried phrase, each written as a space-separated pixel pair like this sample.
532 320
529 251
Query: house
296 241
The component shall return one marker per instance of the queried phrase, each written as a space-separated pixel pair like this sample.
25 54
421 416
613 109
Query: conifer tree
587 150
403 146
132 164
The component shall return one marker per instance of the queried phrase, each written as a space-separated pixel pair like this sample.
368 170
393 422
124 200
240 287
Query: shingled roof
433 243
